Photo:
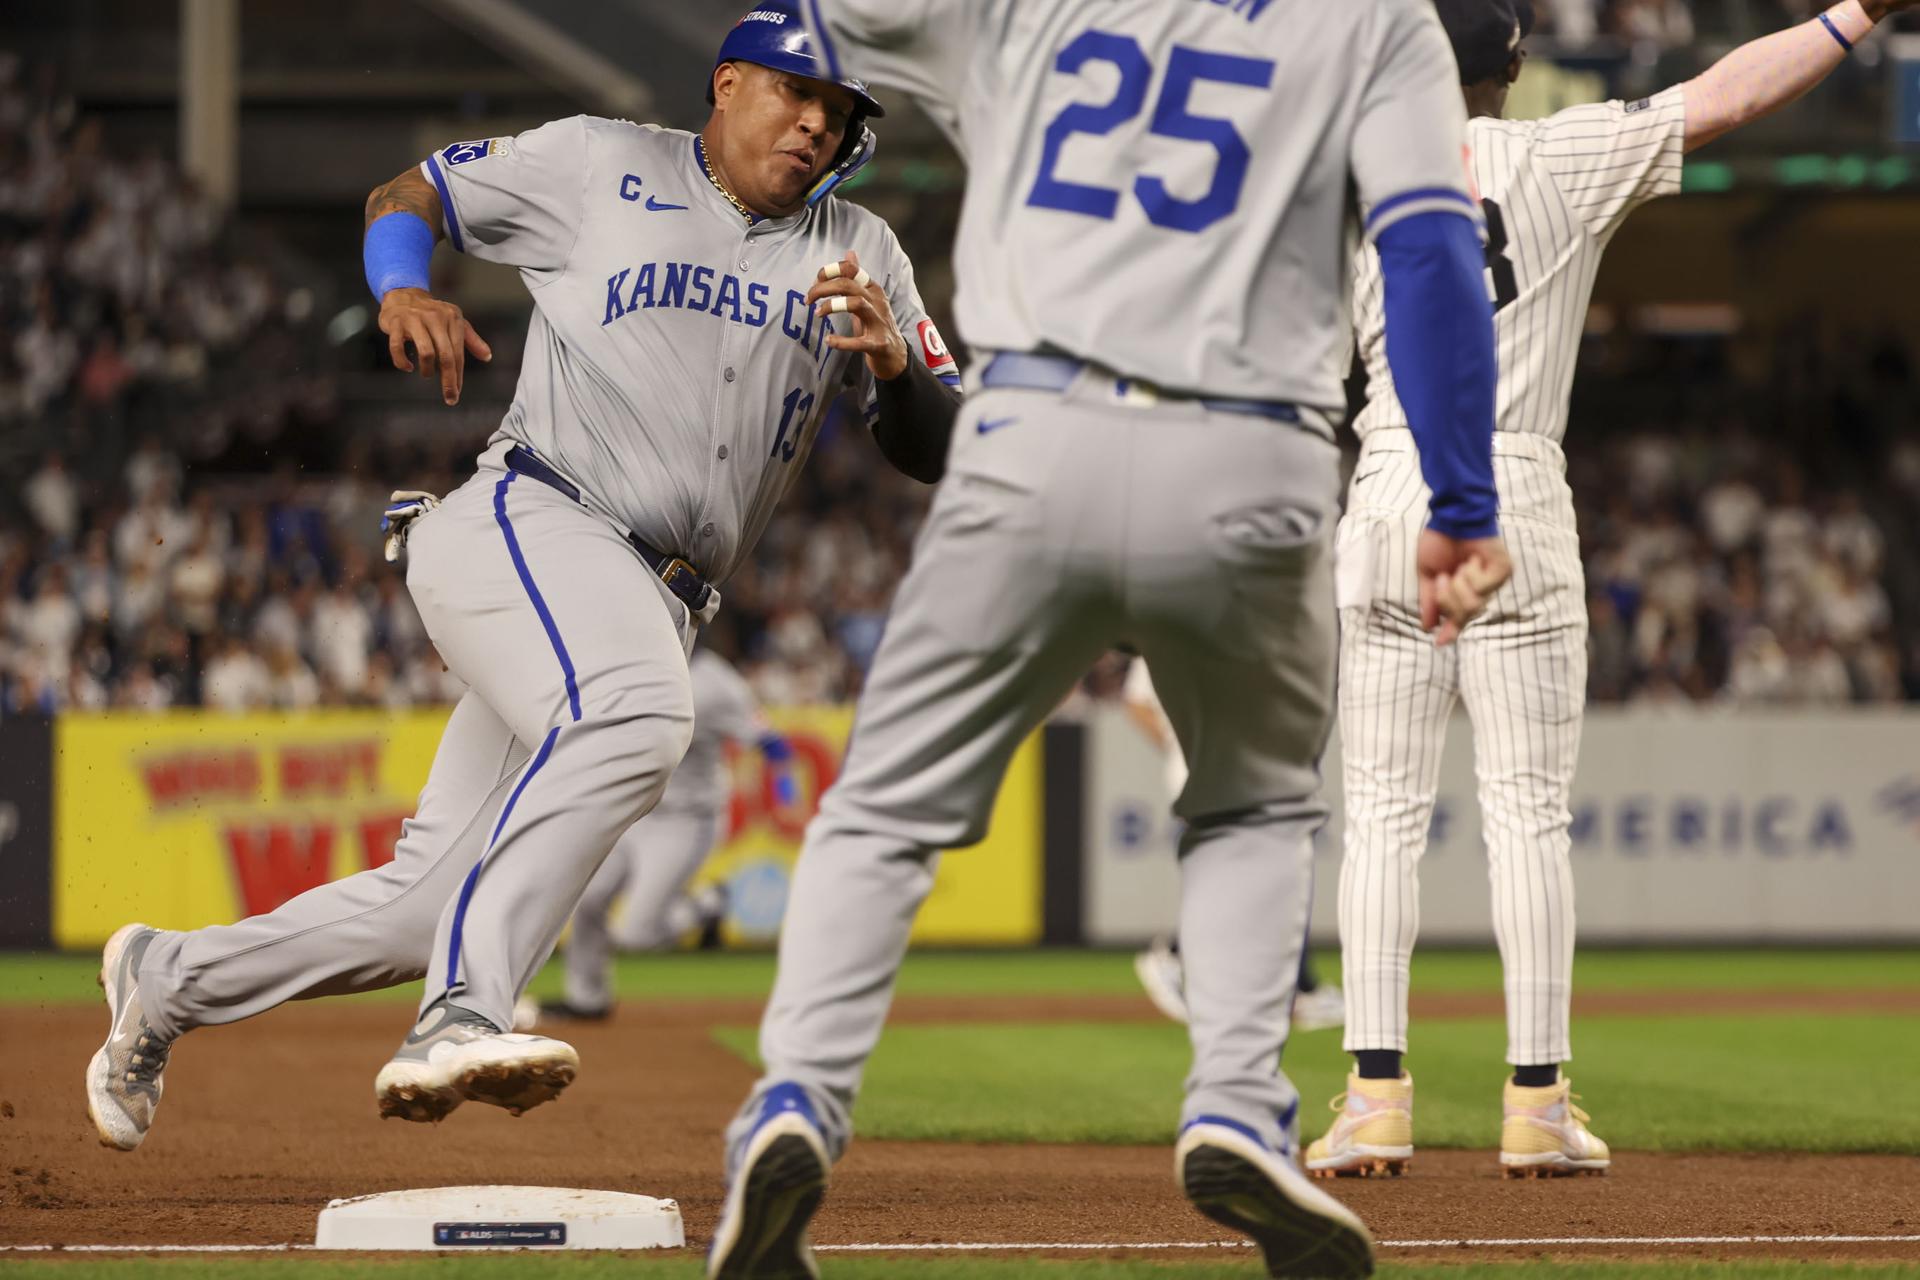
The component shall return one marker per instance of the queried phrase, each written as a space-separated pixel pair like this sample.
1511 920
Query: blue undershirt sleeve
1440 347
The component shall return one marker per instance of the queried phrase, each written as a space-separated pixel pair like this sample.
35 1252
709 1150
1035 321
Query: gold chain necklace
706 162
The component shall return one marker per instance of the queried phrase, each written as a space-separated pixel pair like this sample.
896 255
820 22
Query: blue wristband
1835 33
396 252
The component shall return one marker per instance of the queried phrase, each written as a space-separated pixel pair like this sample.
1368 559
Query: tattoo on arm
408 193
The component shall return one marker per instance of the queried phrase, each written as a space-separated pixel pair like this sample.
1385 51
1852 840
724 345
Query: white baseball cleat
1373 1132
1545 1135
1239 1182
1323 1007
454 1055
1163 978
123 1079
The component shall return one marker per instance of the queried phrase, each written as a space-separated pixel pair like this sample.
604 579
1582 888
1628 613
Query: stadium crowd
135 336
1716 572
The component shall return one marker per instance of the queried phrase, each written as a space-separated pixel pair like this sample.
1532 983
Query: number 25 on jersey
1171 118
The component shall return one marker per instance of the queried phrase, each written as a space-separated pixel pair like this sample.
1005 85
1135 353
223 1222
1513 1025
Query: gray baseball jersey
724 710
1167 190
1554 192
673 368
1134 142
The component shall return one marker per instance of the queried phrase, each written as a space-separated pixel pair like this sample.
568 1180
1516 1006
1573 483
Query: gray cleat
123 1080
454 1055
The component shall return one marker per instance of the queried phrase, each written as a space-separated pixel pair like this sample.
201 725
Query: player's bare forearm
411 316
1764 75
408 193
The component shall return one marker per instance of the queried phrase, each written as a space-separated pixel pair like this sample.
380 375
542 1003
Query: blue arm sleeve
396 253
1440 347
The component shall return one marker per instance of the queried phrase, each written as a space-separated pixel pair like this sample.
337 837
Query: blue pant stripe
473 876
533 592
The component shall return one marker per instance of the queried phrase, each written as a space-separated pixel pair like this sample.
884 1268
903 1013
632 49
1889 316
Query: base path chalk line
1517 1242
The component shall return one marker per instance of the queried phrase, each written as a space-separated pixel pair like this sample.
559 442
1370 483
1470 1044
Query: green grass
684 1267
1655 1084
36 978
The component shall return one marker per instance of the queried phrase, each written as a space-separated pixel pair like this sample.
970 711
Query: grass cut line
1031 1246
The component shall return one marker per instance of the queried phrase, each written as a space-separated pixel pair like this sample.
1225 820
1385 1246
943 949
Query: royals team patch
462 152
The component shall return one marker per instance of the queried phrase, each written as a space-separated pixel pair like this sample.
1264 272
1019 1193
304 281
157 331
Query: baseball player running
1153 263
653 862
1554 192
684 346
1317 1005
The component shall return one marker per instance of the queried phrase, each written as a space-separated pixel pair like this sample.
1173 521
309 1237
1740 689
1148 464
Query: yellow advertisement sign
988 893
196 818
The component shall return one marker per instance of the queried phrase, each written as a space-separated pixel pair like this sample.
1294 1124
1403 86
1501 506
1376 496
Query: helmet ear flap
856 152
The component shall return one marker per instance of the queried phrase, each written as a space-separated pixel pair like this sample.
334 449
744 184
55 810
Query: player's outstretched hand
1457 578
441 337
845 286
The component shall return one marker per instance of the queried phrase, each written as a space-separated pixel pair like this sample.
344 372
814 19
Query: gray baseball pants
651 866
1069 523
578 710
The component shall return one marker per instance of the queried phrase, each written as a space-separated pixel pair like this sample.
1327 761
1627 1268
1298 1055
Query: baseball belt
681 578
1029 371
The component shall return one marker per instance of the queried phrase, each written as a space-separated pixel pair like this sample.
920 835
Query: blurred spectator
53 499
1737 548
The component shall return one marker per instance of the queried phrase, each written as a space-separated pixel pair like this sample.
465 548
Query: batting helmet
774 36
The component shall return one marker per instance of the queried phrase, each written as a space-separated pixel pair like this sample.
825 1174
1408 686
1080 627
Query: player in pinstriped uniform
1153 267
1554 191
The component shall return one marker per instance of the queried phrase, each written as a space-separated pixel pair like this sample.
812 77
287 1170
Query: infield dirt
264 1122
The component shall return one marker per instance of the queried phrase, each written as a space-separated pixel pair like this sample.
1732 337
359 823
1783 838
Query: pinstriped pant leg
1396 693
1523 676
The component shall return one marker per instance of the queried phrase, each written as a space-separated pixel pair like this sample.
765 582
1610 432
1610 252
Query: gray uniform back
673 368
1120 151
724 710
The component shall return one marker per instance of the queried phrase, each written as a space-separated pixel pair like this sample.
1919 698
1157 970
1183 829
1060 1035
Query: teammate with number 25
698 302
1153 263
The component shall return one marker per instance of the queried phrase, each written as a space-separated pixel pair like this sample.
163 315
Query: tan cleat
1546 1136
1373 1133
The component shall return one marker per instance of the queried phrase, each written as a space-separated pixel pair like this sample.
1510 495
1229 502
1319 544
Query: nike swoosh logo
988 425
654 205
